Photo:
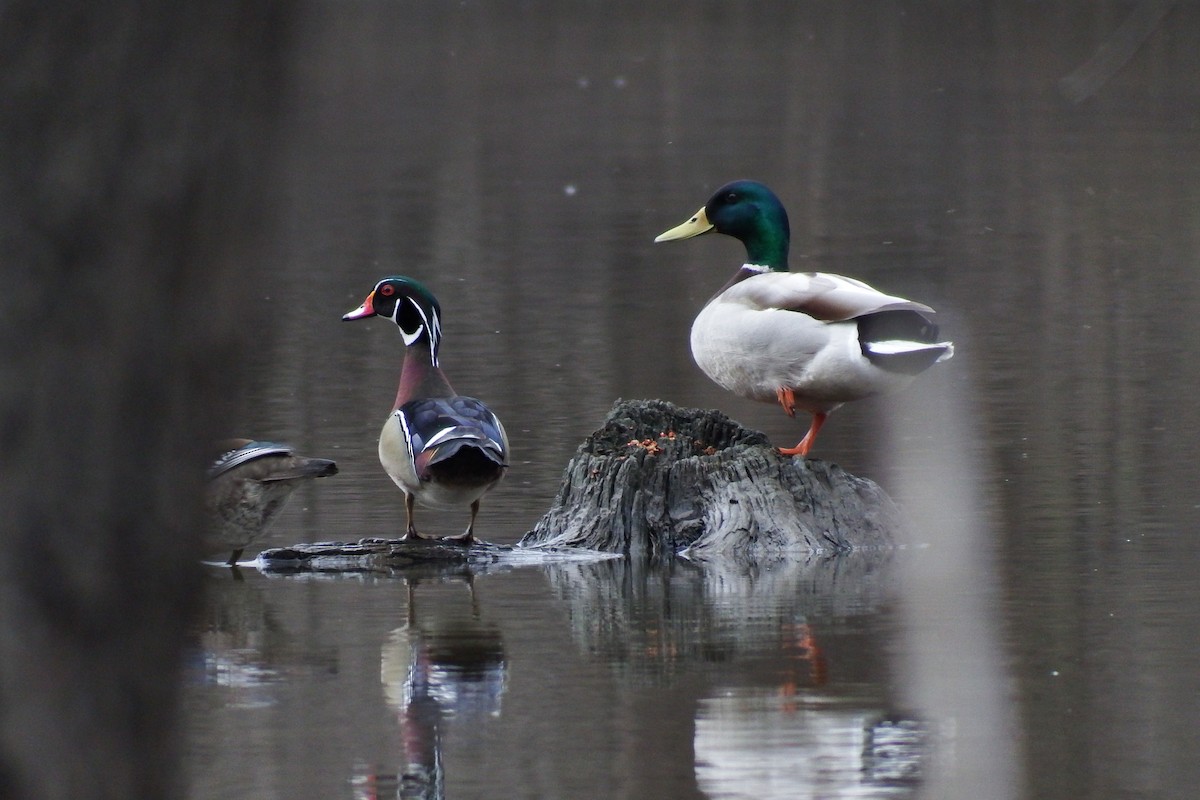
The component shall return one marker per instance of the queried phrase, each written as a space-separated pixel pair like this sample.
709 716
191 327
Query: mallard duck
248 484
442 449
806 340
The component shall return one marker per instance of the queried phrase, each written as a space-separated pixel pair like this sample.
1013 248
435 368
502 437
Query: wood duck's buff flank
443 450
809 341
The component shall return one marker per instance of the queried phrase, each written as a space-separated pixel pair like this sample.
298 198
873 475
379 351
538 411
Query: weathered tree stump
657 479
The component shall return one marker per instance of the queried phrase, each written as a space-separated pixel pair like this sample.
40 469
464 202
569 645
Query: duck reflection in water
241 644
792 705
445 663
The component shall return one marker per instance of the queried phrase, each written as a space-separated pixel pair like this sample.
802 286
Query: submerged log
376 555
427 556
657 479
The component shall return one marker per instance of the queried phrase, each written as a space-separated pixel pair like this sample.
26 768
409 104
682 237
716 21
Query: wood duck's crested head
411 306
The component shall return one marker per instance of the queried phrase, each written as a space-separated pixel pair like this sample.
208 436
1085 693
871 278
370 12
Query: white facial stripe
429 324
409 338
435 331
435 334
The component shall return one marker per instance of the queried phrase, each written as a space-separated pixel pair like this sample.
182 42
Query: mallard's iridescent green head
410 305
745 210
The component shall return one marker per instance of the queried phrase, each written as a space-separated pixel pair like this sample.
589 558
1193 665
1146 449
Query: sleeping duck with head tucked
809 341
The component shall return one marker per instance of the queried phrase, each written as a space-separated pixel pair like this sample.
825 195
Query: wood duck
807 340
248 483
442 449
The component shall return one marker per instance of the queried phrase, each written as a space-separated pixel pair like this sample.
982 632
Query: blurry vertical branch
133 178
1115 52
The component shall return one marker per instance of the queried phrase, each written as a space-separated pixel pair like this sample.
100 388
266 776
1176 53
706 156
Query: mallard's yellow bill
693 227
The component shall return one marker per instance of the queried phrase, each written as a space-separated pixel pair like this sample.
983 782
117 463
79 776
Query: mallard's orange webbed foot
805 444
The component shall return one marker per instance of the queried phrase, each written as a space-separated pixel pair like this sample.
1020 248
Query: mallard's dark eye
387 290
731 197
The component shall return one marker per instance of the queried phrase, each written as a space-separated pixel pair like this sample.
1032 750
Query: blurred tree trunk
133 177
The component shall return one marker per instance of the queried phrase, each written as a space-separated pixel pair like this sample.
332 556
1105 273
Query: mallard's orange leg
806 443
786 399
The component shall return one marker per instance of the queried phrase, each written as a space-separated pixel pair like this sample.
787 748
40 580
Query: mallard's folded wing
825 297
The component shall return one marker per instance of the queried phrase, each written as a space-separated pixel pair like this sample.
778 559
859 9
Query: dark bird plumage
248 484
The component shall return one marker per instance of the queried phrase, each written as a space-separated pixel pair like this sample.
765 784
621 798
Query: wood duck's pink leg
468 536
410 531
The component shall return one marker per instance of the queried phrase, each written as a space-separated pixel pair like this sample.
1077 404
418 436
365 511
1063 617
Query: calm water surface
1037 637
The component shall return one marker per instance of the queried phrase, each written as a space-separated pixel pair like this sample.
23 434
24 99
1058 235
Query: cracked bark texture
658 479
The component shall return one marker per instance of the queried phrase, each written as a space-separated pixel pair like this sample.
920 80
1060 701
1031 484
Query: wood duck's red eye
387 290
